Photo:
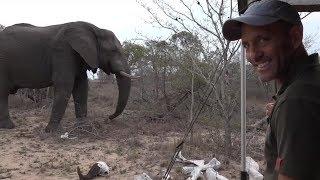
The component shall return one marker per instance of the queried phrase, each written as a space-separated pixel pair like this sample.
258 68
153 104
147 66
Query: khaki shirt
292 145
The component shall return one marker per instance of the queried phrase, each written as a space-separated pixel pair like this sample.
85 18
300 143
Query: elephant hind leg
5 121
8 124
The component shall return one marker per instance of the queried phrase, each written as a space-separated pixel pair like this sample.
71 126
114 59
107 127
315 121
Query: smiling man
271 33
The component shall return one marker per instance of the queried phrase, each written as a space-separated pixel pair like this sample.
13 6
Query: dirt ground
132 144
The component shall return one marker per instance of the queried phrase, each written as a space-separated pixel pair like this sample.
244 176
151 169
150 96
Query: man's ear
296 35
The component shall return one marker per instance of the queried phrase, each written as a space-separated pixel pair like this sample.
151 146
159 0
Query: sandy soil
132 144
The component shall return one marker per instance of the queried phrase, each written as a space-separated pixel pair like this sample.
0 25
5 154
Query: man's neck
299 54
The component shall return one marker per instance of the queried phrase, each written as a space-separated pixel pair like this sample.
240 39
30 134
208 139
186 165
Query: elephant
59 56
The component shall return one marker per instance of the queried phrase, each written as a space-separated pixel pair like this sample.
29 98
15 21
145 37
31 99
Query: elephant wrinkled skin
59 56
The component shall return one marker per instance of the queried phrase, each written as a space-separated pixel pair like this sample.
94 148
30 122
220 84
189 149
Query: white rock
211 174
104 168
214 163
197 168
253 169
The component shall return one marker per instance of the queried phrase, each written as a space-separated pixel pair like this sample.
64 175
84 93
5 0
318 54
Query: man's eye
263 40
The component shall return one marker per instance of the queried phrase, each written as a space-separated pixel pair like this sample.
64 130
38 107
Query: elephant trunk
124 84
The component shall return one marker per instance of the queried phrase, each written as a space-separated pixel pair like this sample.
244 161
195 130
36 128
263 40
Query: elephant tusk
128 75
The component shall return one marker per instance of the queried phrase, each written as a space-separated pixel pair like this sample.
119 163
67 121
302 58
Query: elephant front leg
61 97
5 121
80 97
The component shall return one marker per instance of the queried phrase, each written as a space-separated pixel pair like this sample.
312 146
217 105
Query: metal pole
244 174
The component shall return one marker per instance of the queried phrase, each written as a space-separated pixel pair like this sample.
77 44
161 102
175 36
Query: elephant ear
85 43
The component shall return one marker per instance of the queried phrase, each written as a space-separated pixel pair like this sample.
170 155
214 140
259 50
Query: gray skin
59 56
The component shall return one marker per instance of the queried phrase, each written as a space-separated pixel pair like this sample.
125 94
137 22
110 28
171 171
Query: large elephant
59 56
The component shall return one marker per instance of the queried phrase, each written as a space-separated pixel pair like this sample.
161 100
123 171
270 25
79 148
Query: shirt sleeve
297 131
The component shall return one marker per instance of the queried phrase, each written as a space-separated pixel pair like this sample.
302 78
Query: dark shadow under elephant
59 56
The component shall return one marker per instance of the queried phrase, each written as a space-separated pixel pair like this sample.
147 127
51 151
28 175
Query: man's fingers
269 108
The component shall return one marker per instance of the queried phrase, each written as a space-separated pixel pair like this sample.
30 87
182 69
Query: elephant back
30 40
27 34
26 49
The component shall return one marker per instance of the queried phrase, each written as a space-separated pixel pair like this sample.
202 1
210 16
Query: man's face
267 49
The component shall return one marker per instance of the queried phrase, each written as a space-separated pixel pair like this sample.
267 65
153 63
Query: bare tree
310 42
204 19
136 55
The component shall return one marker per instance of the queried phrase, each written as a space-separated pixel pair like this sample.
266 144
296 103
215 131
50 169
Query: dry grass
142 139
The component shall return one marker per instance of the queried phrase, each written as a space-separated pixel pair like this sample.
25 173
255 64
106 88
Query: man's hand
269 108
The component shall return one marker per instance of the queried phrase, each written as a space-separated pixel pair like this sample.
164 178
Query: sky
123 17
126 18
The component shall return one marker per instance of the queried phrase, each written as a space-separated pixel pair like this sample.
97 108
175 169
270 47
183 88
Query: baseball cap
260 13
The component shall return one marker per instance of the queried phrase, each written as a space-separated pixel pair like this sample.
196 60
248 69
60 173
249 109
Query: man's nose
254 54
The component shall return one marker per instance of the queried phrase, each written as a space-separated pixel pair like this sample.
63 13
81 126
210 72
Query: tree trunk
142 87
164 88
156 82
227 138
